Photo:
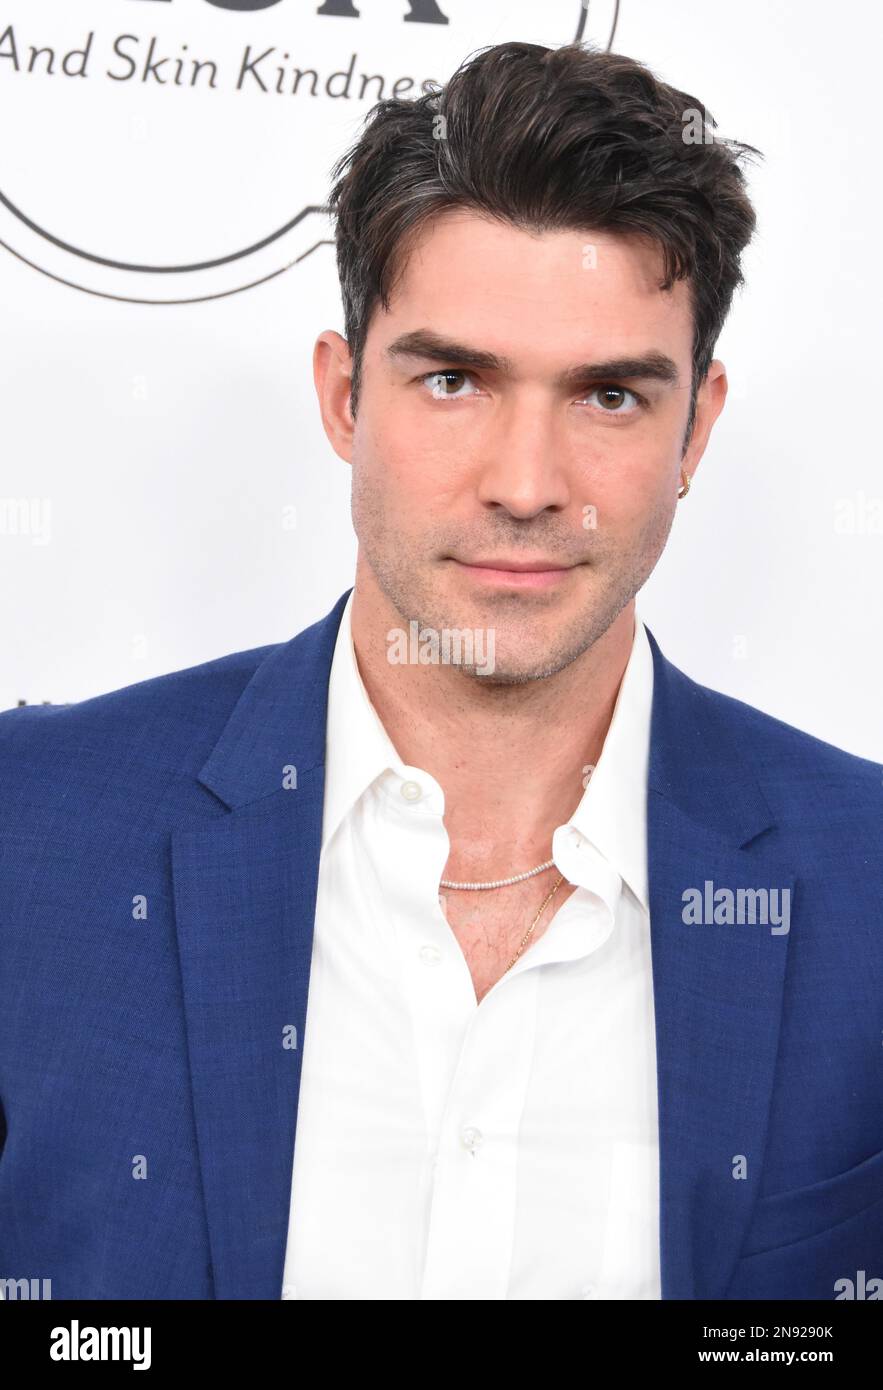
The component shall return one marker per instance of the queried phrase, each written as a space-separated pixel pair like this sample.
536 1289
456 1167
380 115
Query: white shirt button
430 955
589 1291
471 1138
411 791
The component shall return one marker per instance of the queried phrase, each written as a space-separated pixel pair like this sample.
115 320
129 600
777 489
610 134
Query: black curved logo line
581 26
160 269
220 260
193 299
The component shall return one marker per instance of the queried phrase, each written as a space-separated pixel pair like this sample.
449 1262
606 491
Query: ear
709 403
332 375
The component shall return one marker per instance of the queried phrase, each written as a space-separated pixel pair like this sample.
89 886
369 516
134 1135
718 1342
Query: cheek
414 478
625 483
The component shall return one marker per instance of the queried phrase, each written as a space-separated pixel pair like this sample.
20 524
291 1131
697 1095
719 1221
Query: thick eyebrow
423 343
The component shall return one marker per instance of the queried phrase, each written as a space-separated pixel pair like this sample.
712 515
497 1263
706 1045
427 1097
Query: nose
522 465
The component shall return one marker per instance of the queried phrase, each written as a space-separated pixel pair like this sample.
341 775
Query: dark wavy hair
546 139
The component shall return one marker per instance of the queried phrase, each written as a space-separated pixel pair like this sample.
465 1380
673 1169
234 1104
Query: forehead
552 292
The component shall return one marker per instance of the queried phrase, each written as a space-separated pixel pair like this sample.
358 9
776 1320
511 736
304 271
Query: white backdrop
167 492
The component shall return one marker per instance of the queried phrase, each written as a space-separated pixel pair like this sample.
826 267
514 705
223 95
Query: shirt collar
358 749
612 813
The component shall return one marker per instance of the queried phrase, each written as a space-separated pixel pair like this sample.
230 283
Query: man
563 971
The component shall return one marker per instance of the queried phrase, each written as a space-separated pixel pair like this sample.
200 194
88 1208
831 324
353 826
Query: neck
510 759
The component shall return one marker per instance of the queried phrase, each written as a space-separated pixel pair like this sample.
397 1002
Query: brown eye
615 400
446 383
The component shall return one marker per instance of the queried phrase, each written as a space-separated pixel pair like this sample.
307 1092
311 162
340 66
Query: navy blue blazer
157 893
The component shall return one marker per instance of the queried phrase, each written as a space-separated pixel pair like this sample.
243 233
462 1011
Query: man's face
504 477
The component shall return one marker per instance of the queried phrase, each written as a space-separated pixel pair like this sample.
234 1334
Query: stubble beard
528 646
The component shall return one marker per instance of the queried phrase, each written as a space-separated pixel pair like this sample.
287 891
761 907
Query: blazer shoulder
136 737
765 740
826 802
772 742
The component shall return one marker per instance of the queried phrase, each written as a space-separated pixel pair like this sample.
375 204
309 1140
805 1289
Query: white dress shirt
449 1149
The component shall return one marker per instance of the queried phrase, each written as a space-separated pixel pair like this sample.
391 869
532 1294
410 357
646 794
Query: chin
521 669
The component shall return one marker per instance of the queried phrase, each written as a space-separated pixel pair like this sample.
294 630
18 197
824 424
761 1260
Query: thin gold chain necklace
527 935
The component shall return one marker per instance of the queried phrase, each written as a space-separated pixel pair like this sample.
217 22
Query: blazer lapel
245 896
717 987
